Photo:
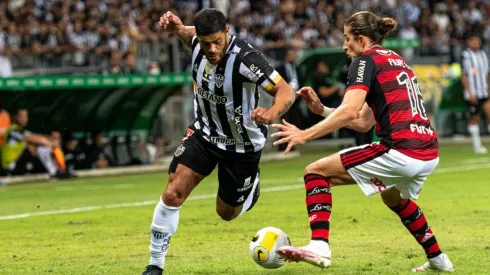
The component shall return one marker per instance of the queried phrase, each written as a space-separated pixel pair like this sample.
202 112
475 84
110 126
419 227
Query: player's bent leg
319 177
182 180
414 220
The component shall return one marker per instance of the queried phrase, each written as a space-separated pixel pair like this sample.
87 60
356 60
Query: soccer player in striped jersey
383 91
229 130
474 64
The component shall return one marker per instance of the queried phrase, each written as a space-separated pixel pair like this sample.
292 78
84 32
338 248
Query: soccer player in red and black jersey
383 91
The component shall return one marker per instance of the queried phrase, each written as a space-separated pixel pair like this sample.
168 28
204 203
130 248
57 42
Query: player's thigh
237 175
473 112
191 163
330 167
410 188
486 108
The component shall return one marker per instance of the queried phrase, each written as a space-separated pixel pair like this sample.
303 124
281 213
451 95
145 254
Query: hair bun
386 26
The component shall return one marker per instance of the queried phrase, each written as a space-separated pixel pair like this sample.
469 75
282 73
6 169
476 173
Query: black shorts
237 172
475 109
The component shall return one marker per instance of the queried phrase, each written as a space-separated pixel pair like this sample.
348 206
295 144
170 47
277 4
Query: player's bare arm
283 100
344 114
172 24
472 98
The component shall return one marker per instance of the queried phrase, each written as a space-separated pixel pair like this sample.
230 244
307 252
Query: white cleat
307 254
439 263
481 150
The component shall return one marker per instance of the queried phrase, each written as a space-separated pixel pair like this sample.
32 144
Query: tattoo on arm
185 35
286 106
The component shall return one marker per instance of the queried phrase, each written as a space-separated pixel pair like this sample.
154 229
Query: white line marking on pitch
210 196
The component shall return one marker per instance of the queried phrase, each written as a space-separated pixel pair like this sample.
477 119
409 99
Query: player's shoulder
242 48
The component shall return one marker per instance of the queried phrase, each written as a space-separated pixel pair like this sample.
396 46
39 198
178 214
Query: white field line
211 196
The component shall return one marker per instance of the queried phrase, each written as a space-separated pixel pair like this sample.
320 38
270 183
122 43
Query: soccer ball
264 245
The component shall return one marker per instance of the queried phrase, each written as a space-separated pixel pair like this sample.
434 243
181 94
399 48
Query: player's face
214 45
474 43
22 118
352 46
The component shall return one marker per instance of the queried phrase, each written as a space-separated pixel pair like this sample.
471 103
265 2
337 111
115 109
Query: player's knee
226 214
312 168
391 197
173 197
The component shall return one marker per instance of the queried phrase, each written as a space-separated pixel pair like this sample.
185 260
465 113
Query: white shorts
375 168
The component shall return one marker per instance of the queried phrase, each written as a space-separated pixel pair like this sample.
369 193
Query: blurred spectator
328 91
22 148
4 122
129 64
115 66
288 72
85 33
75 158
99 153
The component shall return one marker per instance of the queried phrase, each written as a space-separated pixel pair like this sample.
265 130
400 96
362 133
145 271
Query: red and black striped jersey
395 98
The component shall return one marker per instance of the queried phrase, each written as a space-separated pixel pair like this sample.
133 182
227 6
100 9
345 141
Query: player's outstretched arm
363 123
172 24
346 113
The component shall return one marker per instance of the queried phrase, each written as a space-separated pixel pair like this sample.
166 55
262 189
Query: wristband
327 111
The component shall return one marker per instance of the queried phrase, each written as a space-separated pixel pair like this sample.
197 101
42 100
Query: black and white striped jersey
475 66
226 94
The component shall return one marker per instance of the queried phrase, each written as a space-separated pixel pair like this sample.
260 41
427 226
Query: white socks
250 198
475 136
44 154
320 247
164 224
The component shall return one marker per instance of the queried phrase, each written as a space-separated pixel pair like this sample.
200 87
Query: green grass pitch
103 227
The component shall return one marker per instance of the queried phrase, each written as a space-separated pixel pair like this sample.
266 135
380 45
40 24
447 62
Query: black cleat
152 270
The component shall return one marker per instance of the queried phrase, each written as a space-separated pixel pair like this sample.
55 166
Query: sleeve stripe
361 87
276 77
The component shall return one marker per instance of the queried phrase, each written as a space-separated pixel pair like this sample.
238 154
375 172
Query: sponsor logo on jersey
421 129
256 70
238 123
219 80
360 71
242 198
179 150
398 63
211 97
247 184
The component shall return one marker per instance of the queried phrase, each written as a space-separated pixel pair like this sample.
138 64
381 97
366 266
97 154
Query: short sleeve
256 69
465 63
362 73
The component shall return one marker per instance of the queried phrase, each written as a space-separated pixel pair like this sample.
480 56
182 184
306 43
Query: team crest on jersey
219 80
179 150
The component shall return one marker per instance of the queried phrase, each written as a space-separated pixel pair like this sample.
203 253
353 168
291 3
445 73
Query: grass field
108 229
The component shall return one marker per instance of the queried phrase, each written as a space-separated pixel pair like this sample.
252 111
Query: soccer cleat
481 150
439 263
152 270
307 254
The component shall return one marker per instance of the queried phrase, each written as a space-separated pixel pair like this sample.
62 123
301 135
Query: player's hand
170 22
262 115
473 98
290 134
312 100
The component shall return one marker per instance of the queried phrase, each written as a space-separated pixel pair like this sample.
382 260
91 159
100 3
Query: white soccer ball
264 245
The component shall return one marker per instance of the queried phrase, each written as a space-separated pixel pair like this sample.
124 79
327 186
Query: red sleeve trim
362 87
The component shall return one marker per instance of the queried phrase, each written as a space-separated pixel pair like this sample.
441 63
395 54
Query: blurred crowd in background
124 37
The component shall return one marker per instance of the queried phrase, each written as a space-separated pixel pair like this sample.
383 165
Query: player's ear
227 29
